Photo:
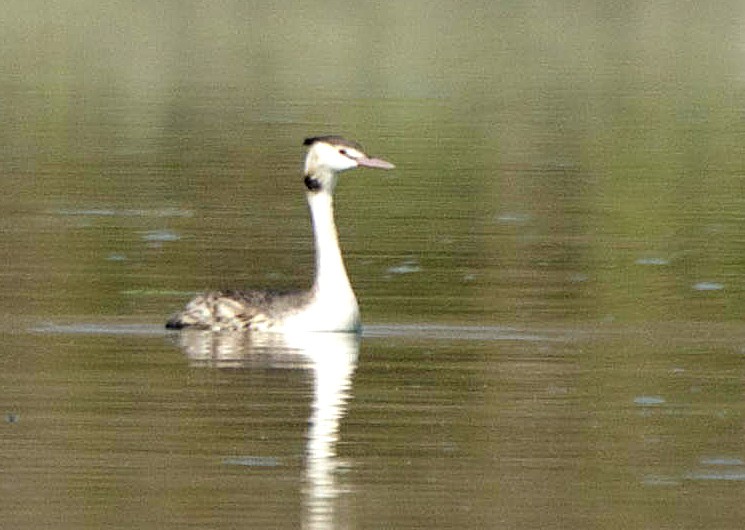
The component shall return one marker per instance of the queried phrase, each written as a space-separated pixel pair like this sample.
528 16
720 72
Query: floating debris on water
253 461
708 286
407 267
160 236
654 262
116 257
649 400
512 218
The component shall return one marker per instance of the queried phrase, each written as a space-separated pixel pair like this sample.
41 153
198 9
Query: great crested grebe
330 305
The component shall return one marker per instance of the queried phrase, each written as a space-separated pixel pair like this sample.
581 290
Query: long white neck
331 283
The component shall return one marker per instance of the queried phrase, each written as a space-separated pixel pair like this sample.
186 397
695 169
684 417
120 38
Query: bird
330 305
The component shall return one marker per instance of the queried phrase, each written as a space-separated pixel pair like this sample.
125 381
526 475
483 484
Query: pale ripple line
445 332
100 329
425 331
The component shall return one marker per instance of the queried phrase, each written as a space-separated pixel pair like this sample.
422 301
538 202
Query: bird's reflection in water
332 358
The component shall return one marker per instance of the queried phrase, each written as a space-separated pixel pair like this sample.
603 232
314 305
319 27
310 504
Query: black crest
333 140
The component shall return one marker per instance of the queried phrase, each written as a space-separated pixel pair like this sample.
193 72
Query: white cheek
341 163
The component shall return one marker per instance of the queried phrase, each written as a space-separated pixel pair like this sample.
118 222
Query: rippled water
550 281
446 426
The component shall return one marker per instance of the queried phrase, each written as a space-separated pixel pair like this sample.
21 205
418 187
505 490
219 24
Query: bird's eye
343 152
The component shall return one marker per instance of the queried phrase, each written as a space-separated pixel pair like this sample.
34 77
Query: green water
551 280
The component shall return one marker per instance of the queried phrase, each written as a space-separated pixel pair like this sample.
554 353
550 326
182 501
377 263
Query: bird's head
330 155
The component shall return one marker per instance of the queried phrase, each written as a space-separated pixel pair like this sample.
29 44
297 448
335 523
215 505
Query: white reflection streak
334 361
332 357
